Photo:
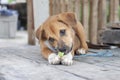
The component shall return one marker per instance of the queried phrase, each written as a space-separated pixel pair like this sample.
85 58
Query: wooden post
66 5
93 21
102 18
54 7
62 4
30 22
58 6
70 6
85 16
50 7
114 14
77 8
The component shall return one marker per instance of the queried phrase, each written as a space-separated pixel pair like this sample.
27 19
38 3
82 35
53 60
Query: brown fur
51 29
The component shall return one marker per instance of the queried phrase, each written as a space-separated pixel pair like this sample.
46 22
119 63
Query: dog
62 33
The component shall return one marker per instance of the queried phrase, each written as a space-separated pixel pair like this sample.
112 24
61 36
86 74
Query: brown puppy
61 33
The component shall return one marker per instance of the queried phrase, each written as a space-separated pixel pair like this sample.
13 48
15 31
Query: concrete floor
20 39
19 61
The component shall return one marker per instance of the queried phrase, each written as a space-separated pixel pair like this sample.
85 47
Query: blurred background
13 22
21 18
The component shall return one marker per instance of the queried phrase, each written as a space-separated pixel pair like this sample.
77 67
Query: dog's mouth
56 50
68 49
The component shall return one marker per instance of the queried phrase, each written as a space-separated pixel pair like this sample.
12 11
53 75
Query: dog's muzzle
64 49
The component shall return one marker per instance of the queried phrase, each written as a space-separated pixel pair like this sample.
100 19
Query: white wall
41 11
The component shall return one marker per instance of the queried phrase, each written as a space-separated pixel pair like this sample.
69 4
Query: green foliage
10 1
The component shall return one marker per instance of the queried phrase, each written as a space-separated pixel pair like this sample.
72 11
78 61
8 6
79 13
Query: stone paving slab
23 62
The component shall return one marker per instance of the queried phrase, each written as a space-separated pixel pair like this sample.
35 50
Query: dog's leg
54 59
81 51
77 46
50 56
81 35
67 59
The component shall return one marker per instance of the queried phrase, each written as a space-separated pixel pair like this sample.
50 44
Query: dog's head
57 33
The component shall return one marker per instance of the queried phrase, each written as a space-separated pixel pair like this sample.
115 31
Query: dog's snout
63 49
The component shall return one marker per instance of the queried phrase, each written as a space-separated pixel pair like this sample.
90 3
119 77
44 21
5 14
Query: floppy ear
68 18
40 34
43 35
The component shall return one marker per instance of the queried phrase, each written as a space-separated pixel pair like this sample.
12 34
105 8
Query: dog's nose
63 49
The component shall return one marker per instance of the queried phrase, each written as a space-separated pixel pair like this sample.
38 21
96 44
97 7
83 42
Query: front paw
54 59
67 59
81 51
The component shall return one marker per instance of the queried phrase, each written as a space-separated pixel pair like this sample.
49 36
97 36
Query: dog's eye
51 39
62 32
